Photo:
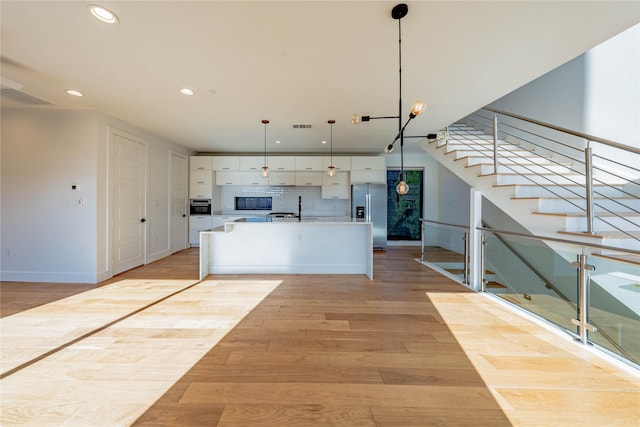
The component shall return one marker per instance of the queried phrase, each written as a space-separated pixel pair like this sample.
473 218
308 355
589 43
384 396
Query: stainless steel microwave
200 207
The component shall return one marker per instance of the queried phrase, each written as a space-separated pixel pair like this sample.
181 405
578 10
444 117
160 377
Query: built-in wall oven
200 207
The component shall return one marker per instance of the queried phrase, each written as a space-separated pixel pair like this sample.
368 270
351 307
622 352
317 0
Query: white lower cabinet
335 187
196 225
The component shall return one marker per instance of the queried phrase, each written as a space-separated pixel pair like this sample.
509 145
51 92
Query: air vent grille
25 98
302 126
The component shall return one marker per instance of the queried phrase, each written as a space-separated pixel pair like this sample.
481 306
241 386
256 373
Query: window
404 212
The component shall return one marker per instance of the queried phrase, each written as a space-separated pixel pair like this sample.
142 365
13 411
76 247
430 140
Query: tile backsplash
285 199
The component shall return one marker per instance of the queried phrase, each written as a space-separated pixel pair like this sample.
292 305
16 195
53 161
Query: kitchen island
307 247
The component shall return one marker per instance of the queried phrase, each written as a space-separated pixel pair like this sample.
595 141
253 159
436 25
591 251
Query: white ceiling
292 62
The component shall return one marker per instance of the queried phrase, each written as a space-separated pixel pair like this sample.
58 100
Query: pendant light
398 12
265 168
331 170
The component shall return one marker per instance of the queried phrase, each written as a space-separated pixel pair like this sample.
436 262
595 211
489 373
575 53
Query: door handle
183 215
143 220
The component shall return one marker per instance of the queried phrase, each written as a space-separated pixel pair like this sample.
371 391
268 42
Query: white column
475 239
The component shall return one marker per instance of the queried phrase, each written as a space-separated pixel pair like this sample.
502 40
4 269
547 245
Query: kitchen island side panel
291 248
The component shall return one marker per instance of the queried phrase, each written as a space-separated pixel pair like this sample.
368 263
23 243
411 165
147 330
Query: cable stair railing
578 160
517 156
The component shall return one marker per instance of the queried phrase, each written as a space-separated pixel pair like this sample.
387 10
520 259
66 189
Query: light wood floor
153 347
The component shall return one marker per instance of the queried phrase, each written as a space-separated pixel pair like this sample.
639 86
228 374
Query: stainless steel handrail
557 240
567 131
466 227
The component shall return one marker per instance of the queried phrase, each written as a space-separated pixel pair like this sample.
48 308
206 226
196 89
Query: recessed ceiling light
324 142
74 92
277 142
103 14
186 91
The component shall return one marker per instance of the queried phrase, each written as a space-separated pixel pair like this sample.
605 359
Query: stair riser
622 243
485 146
520 154
471 161
612 224
570 191
538 179
531 168
600 205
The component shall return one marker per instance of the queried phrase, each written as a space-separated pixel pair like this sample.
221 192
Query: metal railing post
583 294
483 245
588 176
495 143
465 273
422 240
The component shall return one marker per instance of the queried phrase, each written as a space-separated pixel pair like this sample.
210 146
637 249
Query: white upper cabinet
309 163
282 178
368 177
341 163
226 163
281 163
335 187
309 179
368 163
200 163
251 163
229 178
254 178
200 177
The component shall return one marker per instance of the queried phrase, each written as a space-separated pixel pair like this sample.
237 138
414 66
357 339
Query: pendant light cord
400 100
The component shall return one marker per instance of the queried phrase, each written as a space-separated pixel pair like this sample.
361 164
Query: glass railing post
588 176
583 298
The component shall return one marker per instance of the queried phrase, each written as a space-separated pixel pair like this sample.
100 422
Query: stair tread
603 234
510 173
584 214
532 156
627 258
566 165
574 198
595 184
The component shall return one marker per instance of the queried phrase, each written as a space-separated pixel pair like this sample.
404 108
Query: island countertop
288 247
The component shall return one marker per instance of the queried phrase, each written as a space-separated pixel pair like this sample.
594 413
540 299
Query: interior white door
128 159
179 222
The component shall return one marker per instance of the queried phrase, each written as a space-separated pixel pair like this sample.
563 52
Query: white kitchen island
288 248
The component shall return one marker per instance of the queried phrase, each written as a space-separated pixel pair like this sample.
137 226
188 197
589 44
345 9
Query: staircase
544 192
542 186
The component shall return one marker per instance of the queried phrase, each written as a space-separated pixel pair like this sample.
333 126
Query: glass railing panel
532 275
443 247
614 304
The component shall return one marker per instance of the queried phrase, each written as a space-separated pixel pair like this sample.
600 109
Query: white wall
446 197
46 234
612 109
596 93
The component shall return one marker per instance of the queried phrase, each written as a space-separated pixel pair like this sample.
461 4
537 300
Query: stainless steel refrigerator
369 204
